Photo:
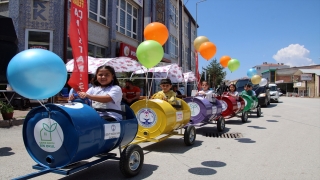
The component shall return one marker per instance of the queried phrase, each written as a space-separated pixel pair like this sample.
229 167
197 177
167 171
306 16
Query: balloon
233 64
37 73
224 61
256 79
149 53
198 41
263 82
207 50
156 31
251 72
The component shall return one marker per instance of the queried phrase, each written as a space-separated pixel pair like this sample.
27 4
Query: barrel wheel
189 135
131 160
221 124
258 111
244 116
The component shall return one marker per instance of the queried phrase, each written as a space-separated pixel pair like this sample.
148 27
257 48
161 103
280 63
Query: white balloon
263 82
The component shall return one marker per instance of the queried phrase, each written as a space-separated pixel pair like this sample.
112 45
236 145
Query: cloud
294 55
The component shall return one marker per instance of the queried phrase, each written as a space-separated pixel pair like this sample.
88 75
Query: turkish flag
78 35
197 71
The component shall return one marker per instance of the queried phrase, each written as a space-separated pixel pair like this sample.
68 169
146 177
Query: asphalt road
283 144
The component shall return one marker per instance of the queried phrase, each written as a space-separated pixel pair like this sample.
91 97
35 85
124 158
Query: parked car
262 92
274 92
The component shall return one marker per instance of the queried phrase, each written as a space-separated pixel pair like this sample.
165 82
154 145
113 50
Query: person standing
130 93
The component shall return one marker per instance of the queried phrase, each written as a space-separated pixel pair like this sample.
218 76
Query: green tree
215 73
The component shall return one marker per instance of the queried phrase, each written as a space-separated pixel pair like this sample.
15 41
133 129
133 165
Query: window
93 51
173 14
98 10
173 46
35 38
127 19
185 53
193 34
186 29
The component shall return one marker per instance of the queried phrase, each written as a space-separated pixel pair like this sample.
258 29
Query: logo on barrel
224 105
194 108
48 135
146 117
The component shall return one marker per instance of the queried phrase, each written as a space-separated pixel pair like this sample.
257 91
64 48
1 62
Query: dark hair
129 81
235 88
248 85
165 81
205 82
109 68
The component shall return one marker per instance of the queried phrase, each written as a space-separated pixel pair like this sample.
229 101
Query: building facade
265 66
113 27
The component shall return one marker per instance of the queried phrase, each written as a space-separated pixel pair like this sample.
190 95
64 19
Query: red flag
197 71
78 34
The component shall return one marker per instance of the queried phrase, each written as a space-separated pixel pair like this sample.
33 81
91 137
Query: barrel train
57 136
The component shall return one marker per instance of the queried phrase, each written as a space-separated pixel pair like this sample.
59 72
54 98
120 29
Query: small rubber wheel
221 124
244 116
258 111
131 160
189 135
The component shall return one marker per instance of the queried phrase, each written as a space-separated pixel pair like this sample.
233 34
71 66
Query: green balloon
233 64
149 53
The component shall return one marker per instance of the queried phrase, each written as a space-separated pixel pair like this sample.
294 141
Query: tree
215 73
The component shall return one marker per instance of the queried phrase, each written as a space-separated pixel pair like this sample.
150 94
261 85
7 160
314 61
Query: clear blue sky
257 31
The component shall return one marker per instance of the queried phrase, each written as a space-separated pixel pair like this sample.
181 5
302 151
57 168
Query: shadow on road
234 122
204 130
110 170
272 121
202 171
213 164
271 105
171 145
245 140
257 127
5 151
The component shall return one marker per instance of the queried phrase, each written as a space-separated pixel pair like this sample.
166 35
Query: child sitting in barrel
166 94
233 91
206 93
248 90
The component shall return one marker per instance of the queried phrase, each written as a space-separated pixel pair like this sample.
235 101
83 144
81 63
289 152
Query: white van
274 93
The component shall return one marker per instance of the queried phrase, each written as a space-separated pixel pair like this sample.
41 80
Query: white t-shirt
208 94
115 93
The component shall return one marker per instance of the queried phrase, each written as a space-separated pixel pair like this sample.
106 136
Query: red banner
78 35
128 51
197 71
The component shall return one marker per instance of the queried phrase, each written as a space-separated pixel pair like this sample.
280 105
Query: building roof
268 70
310 71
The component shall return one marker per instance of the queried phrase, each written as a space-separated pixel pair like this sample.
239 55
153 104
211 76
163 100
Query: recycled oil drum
240 104
73 132
250 102
229 105
202 109
156 117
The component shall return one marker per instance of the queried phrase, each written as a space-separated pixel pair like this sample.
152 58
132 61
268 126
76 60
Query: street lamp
197 15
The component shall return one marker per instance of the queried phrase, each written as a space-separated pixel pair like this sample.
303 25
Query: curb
11 122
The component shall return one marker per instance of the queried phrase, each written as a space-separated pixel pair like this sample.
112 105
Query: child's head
232 88
105 76
247 87
205 85
165 85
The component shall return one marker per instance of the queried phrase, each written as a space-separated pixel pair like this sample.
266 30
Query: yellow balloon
198 41
256 79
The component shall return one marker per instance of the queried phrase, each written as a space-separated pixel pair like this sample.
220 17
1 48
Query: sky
257 31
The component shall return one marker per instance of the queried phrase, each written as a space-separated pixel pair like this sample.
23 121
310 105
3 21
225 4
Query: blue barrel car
56 136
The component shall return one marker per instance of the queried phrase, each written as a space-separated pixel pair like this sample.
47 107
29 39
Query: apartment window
173 14
173 46
40 39
185 53
98 10
193 34
127 19
93 51
186 29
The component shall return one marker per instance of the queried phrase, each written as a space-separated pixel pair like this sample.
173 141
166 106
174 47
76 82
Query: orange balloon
207 50
156 31
224 61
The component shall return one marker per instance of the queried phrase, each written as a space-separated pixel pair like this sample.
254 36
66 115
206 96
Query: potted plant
6 110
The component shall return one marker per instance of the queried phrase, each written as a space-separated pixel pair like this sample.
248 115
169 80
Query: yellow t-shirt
169 96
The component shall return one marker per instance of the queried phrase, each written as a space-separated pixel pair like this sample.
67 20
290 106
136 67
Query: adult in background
130 93
175 89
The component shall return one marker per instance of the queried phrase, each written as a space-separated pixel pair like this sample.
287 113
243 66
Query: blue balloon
251 72
37 73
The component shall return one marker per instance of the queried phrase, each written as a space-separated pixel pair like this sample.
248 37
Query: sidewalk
18 118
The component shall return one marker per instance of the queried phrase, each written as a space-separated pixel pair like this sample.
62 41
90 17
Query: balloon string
44 106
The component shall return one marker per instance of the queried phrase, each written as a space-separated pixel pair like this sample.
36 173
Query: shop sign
127 51
306 77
